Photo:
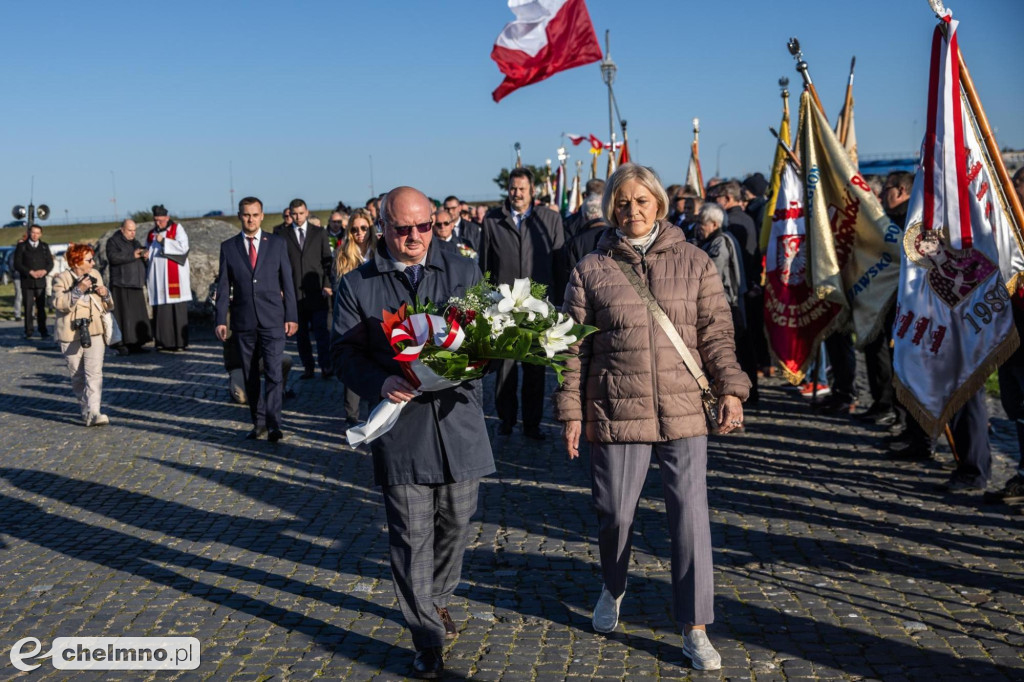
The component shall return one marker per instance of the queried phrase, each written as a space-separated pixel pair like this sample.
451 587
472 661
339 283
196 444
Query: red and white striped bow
422 328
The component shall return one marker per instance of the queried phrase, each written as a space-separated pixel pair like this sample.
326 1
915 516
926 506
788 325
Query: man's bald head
406 209
403 196
128 228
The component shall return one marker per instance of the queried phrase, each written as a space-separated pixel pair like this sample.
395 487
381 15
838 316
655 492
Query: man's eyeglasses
453 209
443 223
406 230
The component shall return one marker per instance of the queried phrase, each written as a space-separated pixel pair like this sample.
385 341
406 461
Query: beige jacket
86 307
629 384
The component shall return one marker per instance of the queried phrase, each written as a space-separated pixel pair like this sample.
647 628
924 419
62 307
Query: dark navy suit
261 301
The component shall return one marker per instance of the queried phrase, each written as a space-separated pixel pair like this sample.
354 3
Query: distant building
883 164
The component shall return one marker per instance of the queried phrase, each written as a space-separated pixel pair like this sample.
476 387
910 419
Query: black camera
81 329
92 284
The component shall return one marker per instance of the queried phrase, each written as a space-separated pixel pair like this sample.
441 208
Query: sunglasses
443 223
406 230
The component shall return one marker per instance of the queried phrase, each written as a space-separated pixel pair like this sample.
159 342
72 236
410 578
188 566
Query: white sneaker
100 420
606 613
697 647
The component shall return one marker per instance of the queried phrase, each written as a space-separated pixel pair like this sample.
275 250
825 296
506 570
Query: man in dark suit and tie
522 240
309 252
255 285
462 228
33 261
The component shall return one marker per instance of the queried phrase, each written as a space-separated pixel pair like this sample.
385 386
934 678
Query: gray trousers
619 472
428 527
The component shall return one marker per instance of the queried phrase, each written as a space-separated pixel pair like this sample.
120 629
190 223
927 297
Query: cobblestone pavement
831 562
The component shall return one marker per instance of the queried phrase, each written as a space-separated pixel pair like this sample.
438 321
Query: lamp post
718 160
608 70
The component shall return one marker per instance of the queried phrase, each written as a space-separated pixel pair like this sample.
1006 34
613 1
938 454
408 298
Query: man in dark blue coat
430 464
255 285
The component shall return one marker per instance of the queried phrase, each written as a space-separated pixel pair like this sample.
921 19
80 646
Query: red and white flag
576 139
954 323
796 321
546 37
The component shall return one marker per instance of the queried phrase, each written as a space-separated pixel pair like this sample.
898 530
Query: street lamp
718 160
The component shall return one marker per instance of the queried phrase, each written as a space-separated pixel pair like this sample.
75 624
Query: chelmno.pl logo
109 653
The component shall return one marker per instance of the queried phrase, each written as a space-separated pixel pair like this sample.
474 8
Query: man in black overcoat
33 261
522 240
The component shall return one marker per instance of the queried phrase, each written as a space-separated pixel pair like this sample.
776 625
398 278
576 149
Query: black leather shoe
533 433
505 430
428 664
275 435
308 374
256 433
836 404
450 631
910 451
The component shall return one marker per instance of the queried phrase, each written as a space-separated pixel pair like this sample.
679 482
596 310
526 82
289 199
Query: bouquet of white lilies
439 347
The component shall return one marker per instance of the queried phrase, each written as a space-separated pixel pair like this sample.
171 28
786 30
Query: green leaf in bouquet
581 331
538 290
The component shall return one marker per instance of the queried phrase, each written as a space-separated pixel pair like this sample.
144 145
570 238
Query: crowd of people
671 277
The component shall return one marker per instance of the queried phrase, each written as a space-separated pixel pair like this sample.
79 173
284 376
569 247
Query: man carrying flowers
429 466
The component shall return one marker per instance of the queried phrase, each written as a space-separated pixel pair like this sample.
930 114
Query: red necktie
252 251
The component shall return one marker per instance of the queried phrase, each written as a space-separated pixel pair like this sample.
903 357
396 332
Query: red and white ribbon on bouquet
417 330
421 328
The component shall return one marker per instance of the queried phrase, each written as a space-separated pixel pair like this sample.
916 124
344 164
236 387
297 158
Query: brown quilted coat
629 384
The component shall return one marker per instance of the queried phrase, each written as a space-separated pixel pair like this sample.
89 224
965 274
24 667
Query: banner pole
847 106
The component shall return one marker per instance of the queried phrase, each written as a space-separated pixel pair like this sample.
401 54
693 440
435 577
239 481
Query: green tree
142 216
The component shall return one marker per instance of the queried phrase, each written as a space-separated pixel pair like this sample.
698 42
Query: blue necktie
414 272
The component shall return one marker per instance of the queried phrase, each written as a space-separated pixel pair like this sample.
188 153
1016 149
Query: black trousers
878 364
315 322
969 426
839 347
267 344
34 299
505 399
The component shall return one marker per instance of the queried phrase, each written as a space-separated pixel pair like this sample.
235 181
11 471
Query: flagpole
801 66
847 105
608 70
786 147
695 157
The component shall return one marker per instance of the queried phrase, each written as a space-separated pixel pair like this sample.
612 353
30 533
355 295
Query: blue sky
297 96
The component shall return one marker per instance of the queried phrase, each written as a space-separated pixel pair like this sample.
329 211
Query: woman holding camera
80 300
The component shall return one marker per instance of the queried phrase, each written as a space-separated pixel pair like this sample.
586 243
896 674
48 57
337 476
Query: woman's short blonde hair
642 174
